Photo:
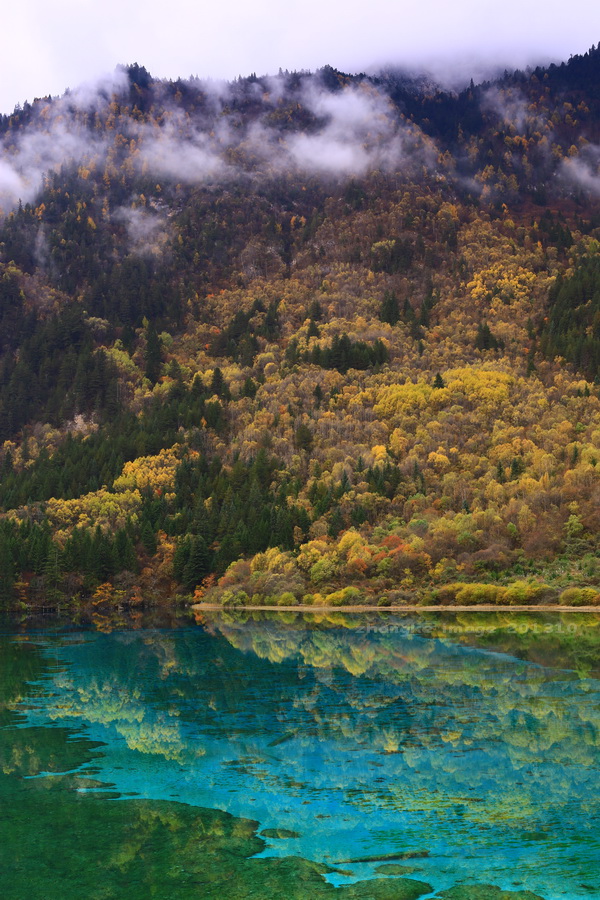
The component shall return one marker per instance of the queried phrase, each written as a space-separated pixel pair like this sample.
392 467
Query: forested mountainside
316 337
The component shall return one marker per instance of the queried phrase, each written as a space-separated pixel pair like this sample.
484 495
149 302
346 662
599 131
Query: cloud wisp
347 132
583 170
147 230
38 151
361 131
55 136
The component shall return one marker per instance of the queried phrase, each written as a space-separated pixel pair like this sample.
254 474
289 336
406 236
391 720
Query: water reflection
63 841
356 738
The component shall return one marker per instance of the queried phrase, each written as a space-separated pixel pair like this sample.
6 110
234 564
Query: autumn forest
315 338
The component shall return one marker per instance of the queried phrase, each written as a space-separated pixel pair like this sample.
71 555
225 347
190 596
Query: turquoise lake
384 756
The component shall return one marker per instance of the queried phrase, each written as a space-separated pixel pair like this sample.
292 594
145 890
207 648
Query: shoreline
215 607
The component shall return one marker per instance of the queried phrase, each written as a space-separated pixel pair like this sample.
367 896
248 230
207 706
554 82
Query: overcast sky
50 45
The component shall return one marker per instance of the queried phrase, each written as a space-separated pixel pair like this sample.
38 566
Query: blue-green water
360 738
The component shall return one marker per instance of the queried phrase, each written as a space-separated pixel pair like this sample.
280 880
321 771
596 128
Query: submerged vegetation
319 338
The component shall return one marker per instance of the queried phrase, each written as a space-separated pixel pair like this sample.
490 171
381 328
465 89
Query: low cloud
191 160
356 130
326 153
51 141
147 230
94 95
344 133
55 136
584 170
359 129
13 184
513 108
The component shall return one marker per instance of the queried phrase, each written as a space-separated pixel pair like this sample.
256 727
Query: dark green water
278 756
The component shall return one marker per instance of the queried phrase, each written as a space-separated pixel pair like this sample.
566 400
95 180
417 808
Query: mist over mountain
326 123
300 334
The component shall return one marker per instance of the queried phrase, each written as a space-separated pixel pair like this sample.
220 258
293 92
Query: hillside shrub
580 596
348 596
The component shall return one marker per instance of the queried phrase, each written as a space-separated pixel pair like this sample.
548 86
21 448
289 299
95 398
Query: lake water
300 756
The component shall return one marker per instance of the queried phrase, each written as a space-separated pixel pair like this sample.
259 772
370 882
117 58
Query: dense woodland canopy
318 338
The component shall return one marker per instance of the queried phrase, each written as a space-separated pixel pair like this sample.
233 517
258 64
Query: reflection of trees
140 848
115 695
402 725
566 640
22 750
106 702
499 734
137 848
20 664
146 686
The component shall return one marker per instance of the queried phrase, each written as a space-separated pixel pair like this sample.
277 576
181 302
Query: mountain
310 337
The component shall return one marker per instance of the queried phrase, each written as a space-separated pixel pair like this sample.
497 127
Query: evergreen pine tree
198 565
390 309
7 573
148 538
153 358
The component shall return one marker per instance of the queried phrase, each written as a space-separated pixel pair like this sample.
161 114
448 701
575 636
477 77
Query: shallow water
468 751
